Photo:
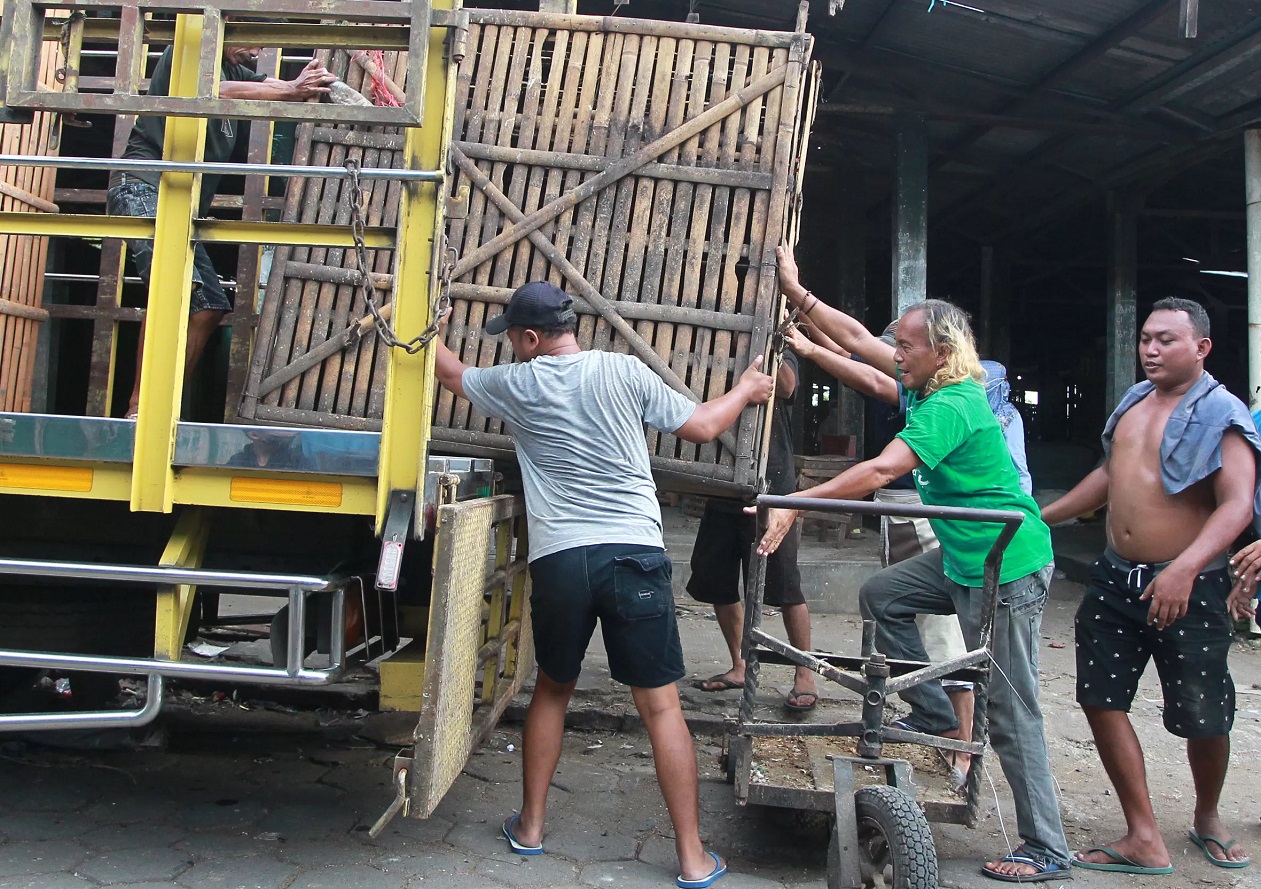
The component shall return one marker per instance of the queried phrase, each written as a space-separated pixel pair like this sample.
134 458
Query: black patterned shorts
1115 642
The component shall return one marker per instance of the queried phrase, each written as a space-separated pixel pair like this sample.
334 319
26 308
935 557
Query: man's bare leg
541 742
1122 757
201 325
731 622
674 757
964 703
1209 758
797 625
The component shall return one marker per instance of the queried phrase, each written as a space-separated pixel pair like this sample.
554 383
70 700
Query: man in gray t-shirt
596 550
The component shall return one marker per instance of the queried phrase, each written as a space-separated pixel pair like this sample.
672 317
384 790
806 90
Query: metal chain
442 301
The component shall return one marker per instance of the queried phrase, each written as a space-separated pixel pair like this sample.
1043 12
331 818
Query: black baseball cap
537 304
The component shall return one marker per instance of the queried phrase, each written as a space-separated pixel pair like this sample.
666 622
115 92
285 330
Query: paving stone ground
222 808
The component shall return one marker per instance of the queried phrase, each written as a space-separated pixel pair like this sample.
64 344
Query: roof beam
937 111
1196 72
1093 51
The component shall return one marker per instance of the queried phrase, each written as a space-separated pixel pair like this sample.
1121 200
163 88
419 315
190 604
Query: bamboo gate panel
302 371
649 168
22 257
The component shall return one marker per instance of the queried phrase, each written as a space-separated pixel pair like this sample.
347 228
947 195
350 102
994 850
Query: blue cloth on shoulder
1191 446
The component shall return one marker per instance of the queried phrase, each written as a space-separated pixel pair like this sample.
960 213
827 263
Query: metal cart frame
873 677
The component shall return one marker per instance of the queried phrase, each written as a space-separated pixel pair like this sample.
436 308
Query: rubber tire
889 818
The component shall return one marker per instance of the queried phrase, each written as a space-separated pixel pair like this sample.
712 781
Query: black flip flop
801 708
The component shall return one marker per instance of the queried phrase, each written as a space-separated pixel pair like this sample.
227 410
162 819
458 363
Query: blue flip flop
1203 839
720 870
1045 869
518 847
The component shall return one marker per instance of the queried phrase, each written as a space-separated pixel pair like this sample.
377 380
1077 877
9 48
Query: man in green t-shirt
955 449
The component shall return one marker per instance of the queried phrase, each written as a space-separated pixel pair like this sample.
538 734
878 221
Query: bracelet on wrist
808 303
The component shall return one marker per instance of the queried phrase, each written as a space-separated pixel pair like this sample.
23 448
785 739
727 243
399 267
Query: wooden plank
633 200
663 282
614 25
624 64
591 164
22 196
622 168
722 143
14 309
608 312
591 133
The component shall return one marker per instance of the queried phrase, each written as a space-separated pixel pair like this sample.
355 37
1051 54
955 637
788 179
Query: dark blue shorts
1115 642
722 549
627 588
135 197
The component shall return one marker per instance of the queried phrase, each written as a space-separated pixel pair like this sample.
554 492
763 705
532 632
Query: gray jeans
897 594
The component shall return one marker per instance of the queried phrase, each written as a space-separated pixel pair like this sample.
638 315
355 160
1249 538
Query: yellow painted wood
74 225
175 604
162 368
403 678
410 384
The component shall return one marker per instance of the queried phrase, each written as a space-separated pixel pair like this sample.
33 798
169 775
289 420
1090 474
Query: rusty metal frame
878 677
27 23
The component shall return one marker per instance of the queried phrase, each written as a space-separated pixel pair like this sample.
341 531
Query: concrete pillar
1122 361
851 207
910 212
1252 184
994 325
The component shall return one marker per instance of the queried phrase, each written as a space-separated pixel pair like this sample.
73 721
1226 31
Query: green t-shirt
966 463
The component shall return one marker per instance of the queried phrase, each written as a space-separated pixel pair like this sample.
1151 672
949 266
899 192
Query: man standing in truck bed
136 193
1179 481
596 549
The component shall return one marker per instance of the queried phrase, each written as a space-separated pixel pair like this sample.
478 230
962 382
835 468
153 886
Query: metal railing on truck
293 673
432 35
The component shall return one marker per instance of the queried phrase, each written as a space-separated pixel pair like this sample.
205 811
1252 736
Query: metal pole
134 165
1252 186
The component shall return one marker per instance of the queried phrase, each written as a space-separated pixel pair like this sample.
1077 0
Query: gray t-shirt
578 422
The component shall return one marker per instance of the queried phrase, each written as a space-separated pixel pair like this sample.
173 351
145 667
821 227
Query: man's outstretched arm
858 376
1090 494
844 329
712 417
313 80
450 370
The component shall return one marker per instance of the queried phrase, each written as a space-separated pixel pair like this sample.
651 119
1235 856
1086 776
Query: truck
648 167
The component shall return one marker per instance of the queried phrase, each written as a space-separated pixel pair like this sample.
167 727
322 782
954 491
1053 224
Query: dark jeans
135 197
897 594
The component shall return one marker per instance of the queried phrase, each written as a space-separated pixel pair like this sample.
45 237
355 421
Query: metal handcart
880 835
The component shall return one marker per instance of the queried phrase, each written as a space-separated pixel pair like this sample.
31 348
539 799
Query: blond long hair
948 326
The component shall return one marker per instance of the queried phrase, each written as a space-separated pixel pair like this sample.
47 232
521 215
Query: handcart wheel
895 844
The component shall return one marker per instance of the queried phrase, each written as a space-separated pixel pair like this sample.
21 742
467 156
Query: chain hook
358 232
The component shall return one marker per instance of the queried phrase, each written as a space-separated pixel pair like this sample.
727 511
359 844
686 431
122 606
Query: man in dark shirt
723 545
136 194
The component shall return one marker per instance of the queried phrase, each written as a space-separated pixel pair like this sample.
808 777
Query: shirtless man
1160 590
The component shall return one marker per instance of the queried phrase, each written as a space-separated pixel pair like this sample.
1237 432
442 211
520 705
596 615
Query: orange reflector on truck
45 478
289 491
